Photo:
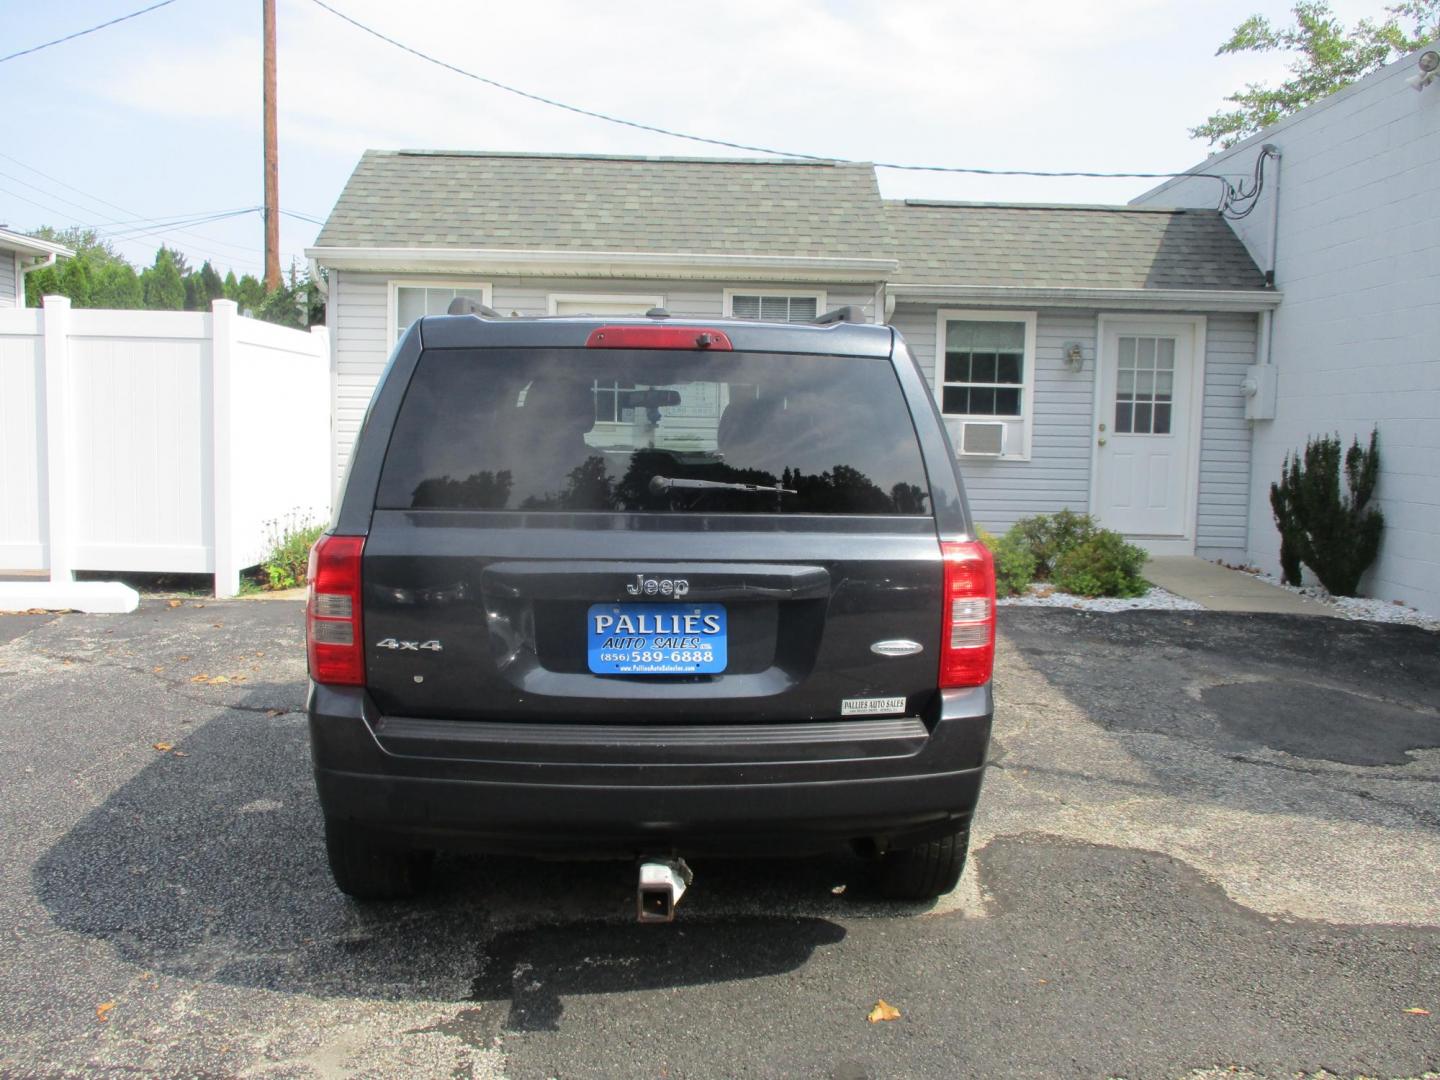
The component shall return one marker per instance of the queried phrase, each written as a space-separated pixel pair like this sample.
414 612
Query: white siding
1057 476
1058 472
1223 512
12 285
1357 336
358 315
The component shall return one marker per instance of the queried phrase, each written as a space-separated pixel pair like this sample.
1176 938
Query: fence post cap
55 301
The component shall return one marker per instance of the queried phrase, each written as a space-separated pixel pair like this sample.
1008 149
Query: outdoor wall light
1429 69
1074 355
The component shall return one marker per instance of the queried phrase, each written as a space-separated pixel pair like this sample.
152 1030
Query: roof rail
848 313
468 305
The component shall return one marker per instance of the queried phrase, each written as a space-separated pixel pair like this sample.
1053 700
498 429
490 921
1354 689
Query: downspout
49 260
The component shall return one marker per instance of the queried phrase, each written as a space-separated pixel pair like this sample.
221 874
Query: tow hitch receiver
662 883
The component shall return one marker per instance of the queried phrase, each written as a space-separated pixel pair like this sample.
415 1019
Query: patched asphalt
1207 841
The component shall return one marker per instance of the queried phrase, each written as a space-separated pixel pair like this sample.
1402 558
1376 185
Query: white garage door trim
641 304
1151 324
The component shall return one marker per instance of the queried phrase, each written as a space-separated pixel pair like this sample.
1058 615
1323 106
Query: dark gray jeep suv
647 588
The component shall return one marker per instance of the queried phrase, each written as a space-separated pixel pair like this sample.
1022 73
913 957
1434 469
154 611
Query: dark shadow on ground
211 866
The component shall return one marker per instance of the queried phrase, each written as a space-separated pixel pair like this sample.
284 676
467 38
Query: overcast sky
160 116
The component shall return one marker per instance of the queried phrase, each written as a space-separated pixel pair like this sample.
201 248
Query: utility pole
272 163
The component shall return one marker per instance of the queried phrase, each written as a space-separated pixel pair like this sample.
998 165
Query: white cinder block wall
1357 336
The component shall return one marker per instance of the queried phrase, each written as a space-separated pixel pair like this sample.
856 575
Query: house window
413 300
771 306
985 371
1144 385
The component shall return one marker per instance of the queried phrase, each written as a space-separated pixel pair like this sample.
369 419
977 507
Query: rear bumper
620 789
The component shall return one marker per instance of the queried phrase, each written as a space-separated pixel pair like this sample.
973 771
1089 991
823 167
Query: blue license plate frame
657 639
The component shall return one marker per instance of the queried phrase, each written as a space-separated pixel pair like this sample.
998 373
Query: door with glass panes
1143 436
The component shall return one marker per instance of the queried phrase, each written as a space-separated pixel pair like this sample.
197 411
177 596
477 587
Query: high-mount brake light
659 337
967 642
334 637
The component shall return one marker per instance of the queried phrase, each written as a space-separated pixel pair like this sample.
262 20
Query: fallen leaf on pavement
218 679
164 747
1417 1011
156 670
181 753
183 659
102 1011
883 1011
199 678
173 603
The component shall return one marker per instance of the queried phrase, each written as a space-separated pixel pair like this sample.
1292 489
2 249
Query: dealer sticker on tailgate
656 639
872 706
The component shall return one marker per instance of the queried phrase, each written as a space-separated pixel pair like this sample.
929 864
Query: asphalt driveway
1207 841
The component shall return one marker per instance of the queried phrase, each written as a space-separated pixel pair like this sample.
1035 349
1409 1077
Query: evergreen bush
1331 529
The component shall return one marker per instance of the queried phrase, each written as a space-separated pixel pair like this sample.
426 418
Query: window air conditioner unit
982 438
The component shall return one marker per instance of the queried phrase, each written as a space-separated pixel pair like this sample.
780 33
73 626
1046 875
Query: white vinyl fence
156 440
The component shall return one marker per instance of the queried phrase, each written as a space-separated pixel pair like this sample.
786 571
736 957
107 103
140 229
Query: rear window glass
612 430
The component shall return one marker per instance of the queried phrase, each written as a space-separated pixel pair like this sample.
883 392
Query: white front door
1143 439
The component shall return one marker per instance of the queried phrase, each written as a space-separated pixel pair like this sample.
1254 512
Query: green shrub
1014 565
1048 536
1334 532
1104 564
290 542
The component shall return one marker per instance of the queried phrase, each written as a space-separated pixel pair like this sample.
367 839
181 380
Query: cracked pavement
1207 842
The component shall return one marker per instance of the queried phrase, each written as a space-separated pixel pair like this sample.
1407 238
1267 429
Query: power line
749 147
109 219
131 235
82 33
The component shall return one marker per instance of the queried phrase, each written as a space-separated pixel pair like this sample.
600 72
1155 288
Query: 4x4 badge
409 646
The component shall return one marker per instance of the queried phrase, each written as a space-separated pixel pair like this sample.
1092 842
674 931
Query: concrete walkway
1220 589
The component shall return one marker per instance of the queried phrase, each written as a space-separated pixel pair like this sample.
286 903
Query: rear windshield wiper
661 484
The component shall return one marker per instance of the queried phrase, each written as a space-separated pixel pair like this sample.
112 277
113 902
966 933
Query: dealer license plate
656 639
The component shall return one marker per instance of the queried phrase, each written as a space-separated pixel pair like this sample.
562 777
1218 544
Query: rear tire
926 871
366 869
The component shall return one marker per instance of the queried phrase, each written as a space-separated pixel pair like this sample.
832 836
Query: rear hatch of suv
632 535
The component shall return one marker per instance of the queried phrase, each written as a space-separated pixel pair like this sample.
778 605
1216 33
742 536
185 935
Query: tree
75 281
1328 525
74 277
212 283
1328 58
163 286
117 286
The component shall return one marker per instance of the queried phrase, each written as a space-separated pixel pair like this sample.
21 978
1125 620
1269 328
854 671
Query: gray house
1084 357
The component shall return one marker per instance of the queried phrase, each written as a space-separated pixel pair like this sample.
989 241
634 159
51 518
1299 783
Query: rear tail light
967 644
334 640
658 337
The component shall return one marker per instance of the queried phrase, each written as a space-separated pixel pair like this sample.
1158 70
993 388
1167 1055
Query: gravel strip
1360 608
1154 599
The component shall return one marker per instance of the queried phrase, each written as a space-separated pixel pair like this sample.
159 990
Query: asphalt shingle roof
1099 247
719 206
597 203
